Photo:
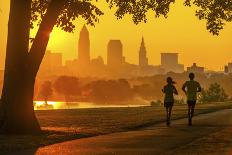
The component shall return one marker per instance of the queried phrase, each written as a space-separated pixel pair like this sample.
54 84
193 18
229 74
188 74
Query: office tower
169 61
143 61
84 46
114 54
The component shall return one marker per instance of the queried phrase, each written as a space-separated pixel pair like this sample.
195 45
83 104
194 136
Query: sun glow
41 105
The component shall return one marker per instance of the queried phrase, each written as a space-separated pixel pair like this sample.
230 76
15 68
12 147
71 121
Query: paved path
157 139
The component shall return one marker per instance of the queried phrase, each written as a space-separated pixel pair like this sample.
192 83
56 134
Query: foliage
110 91
179 101
156 103
146 91
46 90
68 86
88 10
215 12
215 93
71 10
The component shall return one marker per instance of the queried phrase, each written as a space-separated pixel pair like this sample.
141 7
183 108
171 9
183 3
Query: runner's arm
199 88
175 91
163 90
183 88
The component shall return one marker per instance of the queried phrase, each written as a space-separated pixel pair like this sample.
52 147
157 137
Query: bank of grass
63 125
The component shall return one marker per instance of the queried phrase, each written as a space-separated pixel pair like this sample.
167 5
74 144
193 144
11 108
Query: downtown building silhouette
195 69
169 62
143 60
116 65
115 57
84 47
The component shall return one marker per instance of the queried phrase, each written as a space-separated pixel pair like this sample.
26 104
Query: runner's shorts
168 104
191 103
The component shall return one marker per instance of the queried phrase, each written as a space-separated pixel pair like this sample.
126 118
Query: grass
107 120
63 125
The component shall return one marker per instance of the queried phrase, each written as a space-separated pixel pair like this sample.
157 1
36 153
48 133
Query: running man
169 90
191 88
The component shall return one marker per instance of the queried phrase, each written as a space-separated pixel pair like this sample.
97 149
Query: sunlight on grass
41 105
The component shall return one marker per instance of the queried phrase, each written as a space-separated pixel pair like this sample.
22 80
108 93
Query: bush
179 101
156 103
215 93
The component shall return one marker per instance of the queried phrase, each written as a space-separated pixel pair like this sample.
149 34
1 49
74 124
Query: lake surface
40 105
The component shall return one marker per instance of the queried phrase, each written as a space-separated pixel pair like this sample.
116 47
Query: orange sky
181 32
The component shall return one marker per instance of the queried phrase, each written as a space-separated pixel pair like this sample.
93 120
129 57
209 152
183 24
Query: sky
181 32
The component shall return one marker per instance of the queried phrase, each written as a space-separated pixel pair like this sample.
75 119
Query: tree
67 86
22 64
46 90
215 12
215 93
110 91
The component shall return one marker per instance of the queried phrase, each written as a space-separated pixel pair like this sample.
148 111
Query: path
157 139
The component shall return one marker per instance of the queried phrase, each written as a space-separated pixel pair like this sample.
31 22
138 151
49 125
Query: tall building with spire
143 60
84 46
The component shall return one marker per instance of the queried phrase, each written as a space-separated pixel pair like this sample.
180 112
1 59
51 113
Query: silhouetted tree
22 64
215 12
46 90
110 91
146 91
67 86
215 93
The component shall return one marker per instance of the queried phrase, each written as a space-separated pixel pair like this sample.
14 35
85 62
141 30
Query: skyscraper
143 61
84 46
169 62
114 54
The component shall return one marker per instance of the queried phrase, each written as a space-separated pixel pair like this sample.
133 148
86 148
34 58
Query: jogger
169 90
191 88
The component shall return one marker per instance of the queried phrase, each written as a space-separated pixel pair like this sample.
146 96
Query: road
207 132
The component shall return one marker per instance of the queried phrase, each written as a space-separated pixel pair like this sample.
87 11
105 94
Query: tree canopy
215 12
88 10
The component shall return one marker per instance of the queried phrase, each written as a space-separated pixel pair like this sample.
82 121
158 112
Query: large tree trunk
21 67
17 94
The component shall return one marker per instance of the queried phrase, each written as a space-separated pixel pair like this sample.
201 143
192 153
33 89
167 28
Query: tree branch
39 45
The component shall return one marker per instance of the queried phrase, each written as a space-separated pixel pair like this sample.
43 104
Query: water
40 105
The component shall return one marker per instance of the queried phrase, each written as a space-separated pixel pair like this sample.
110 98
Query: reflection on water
40 105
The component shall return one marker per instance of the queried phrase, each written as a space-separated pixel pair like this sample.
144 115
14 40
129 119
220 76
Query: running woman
169 90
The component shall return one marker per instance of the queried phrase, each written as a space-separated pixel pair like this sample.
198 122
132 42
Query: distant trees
110 91
146 91
68 86
146 88
215 93
46 90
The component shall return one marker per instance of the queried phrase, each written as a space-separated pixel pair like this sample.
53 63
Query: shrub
215 93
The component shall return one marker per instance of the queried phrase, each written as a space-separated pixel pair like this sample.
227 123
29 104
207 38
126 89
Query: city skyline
177 33
116 64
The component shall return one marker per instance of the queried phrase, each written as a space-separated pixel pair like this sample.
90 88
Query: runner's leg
189 115
167 112
192 111
170 113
